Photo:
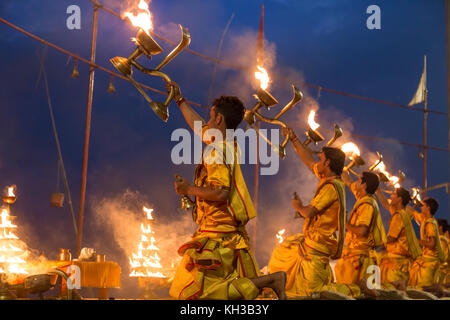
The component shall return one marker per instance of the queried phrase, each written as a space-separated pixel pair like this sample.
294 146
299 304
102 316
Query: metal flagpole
88 128
425 129
447 28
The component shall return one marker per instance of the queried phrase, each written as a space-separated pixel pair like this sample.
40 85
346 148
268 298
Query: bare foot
436 289
275 281
399 285
365 289
278 284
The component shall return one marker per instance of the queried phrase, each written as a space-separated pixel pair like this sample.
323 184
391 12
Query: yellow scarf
413 243
437 239
376 225
240 204
340 190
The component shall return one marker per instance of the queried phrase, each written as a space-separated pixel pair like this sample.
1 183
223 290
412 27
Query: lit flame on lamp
263 77
416 194
312 124
11 192
392 179
351 148
143 18
279 235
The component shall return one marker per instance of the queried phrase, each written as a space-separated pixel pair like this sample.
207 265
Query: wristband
180 101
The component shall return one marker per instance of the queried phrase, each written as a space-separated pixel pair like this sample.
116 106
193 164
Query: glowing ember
263 77
312 124
142 18
280 235
351 148
146 262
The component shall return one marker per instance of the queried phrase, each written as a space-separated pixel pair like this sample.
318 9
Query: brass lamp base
9 199
160 109
359 161
315 136
266 98
147 43
123 65
249 117
383 177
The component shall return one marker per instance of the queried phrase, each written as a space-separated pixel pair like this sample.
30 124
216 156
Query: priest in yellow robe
218 262
364 231
402 245
424 271
444 270
305 257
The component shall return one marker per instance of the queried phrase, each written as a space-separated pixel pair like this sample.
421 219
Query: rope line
164 93
248 69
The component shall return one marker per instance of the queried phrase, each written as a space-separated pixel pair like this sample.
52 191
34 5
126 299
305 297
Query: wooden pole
88 129
447 29
425 131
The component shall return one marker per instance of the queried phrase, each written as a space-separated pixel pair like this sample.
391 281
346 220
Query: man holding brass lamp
425 269
365 230
402 245
218 263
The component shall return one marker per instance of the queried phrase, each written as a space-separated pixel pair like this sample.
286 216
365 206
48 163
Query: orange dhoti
424 272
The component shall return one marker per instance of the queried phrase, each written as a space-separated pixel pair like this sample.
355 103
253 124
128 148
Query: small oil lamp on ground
10 196
146 45
265 99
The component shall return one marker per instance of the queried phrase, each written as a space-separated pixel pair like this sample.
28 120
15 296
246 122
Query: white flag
421 90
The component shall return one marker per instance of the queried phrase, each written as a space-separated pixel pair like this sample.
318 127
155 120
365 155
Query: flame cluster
146 262
142 18
11 256
351 149
263 77
311 122
394 180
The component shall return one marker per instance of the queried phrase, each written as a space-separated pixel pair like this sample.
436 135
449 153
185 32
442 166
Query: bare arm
416 215
361 230
190 115
183 187
383 201
304 153
346 177
428 242
305 211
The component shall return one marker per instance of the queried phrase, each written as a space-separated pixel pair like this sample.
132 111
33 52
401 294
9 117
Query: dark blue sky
324 43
